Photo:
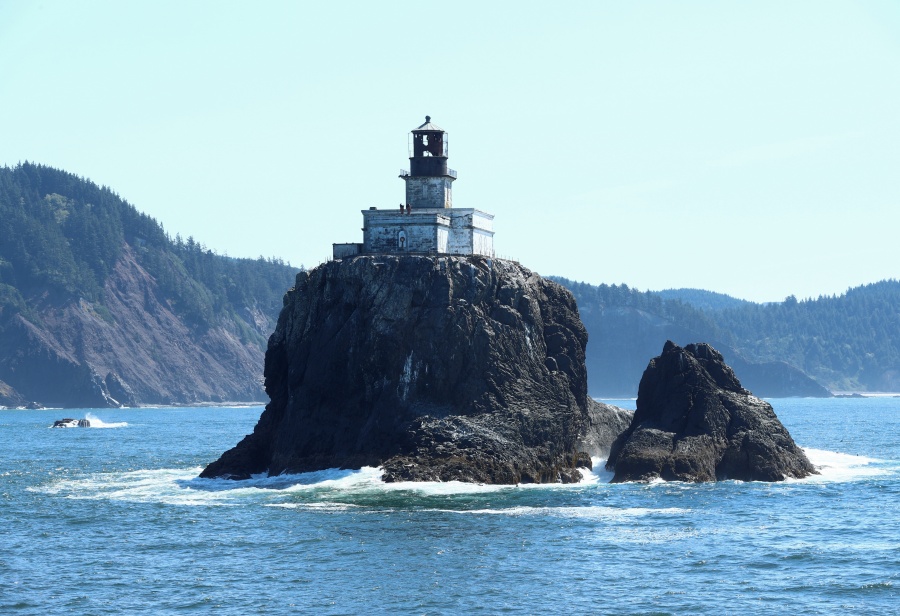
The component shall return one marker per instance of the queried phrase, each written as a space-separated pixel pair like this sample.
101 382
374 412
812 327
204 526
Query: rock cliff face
99 306
10 397
136 352
436 368
695 422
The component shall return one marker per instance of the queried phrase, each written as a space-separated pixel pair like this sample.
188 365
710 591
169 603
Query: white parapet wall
471 232
423 230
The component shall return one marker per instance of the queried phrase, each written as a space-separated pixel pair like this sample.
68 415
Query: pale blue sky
750 148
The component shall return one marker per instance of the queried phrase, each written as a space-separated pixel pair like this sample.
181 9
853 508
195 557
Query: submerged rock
435 368
695 422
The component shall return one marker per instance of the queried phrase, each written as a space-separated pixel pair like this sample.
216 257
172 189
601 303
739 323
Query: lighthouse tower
429 181
426 222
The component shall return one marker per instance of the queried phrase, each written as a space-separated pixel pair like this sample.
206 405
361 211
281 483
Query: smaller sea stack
695 422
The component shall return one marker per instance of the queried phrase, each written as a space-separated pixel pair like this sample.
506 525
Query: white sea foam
96 422
832 466
328 490
598 474
836 466
184 487
445 488
589 513
585 513
324 507
159 485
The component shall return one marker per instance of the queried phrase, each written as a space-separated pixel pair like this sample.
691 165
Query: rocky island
435 368
419 352
695 422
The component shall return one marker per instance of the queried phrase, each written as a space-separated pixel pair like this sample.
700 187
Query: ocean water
113 520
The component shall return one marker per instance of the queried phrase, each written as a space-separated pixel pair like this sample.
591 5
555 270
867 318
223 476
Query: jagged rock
69 422
605 424
435 368
695 422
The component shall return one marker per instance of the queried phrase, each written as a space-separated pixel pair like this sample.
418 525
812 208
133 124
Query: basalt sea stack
694 422
436 368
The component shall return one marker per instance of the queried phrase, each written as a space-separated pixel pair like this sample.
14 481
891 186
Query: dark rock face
68 422
695 422
436 368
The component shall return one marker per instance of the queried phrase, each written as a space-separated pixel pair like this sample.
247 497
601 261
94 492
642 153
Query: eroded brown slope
136 351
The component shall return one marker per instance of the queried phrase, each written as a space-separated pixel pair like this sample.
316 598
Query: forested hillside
704 300
627 327
99 304
847 342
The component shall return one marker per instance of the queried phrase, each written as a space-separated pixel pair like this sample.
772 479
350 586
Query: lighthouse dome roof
428 126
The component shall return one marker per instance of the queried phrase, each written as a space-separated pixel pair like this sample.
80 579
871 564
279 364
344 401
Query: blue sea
113 519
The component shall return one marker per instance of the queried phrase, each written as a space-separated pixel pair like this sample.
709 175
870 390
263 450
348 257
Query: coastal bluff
435 368
695 422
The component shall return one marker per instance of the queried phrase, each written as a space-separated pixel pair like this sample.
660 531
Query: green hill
846 342
704 300
98 305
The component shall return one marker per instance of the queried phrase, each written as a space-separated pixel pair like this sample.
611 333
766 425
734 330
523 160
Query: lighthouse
429 180
426 221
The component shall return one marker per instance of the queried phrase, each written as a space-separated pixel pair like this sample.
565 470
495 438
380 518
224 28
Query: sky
747 148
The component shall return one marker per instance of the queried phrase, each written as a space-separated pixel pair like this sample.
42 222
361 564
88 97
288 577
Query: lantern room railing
405 174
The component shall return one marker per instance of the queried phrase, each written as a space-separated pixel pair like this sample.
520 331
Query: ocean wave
96 422
327 489
336 489
158 485
593 512
834 466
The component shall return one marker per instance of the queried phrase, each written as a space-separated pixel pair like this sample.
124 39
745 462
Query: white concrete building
427 222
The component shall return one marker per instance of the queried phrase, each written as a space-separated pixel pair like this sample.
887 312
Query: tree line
846 342
61 236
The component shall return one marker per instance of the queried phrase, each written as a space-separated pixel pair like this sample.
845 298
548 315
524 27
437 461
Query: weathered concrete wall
429 192
438 230
460 241
340 251
390 231
471 232
443 240
482 243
